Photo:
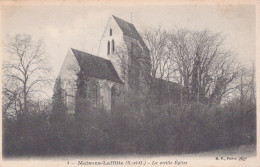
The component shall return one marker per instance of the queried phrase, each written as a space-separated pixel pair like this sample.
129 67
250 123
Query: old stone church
123 74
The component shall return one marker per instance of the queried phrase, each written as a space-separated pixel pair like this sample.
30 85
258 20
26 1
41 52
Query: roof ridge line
90 54
122 20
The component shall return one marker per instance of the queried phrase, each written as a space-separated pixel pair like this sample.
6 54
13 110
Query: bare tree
246 87
162 68
25 73
156 40
206 68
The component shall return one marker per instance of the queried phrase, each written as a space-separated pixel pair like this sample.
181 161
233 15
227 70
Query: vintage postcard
132 83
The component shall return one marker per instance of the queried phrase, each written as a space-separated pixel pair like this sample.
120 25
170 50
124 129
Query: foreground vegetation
193 128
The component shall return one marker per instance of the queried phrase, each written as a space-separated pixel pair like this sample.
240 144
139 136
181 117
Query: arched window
110 31
70 94
92 94
132 48
113 98
108 47
66 88
66 98
113 46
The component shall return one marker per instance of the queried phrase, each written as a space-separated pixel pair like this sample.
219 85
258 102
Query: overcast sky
81 27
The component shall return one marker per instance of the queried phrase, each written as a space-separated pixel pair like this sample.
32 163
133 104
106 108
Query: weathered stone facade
122 71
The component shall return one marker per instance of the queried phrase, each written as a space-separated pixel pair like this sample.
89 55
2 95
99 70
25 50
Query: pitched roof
130 31
96 67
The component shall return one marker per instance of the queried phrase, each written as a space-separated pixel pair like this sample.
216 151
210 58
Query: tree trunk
25 97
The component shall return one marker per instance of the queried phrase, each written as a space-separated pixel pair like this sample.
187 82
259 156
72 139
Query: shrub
167 129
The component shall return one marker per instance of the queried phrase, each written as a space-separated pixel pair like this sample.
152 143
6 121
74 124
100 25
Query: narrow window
113 46
67 94
108 47
113 97
66 99
132 48
110 31
131 55
92 94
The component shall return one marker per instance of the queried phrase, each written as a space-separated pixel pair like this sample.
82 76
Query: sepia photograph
123 79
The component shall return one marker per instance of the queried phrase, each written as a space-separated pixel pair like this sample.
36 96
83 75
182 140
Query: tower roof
130 31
